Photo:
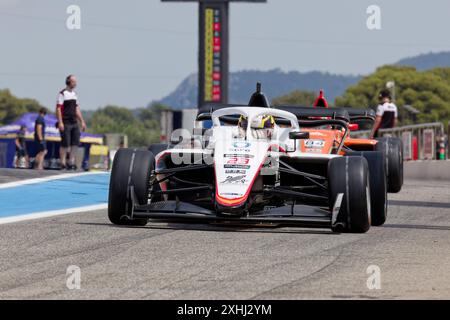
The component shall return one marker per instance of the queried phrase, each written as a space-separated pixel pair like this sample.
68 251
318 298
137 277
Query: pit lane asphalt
14 175
189 261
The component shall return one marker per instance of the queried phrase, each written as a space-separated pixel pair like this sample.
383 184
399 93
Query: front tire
131 167
349 179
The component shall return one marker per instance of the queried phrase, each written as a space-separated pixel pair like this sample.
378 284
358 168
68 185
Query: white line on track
53 213
46 179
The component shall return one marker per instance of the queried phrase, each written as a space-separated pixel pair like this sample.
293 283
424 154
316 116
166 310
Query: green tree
12 107
142 126
297 97
427 91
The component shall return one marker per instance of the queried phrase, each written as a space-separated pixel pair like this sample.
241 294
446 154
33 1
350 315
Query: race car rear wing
302 113
361 114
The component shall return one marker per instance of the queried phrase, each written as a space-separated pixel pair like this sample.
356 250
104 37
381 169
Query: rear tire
392 148
131 167
349 176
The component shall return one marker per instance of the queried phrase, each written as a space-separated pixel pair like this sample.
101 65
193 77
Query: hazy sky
132 52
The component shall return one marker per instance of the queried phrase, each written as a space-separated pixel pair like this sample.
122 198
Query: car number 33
238 160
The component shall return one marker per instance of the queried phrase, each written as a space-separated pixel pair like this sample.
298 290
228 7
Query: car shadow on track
403 203
217 228
417 227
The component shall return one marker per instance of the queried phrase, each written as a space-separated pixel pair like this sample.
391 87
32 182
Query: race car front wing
294 215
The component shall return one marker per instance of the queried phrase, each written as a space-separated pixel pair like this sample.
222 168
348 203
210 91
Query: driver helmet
260 122
243 122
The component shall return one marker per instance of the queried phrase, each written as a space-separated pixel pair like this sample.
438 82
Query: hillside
427 61
275 83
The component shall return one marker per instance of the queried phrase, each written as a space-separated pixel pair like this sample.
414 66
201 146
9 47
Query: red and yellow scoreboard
213 70
214 76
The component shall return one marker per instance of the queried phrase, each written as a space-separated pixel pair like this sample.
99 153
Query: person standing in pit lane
39 139
387 113
69 121
21 148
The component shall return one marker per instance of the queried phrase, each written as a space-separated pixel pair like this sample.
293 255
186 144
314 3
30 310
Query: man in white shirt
69 121
387 113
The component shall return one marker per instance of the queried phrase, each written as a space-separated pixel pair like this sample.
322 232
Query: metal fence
425 141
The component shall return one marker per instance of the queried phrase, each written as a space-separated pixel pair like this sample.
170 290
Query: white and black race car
251 167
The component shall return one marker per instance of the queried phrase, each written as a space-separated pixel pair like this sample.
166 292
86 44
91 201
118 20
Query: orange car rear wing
310 113
361 114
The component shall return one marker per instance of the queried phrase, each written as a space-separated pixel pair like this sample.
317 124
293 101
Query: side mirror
298 135
353 127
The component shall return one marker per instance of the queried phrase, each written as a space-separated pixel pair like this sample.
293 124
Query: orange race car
328 137
384 155
391 147
336 139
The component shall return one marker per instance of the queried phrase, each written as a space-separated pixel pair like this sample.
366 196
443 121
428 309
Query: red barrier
415 149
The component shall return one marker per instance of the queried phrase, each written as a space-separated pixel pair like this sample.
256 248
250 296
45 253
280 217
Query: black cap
384 94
